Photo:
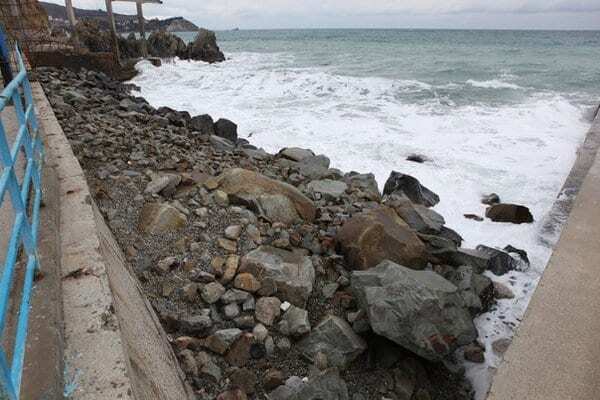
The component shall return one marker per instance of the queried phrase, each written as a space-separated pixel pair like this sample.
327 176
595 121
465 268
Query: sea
493 111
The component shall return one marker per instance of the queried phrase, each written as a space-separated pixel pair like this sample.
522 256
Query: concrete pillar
113 29
140 14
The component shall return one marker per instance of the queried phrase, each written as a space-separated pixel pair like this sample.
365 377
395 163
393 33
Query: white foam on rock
522 151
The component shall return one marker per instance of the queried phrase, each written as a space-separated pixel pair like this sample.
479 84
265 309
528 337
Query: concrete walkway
556 351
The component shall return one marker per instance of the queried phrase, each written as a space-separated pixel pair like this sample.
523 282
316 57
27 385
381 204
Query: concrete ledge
555 354
114 346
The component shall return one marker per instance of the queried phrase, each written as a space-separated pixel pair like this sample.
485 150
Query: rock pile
276 274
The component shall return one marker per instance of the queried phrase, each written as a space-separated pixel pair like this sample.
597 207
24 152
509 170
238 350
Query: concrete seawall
114 345
555 354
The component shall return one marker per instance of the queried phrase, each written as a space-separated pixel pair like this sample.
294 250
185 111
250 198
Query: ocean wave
494 84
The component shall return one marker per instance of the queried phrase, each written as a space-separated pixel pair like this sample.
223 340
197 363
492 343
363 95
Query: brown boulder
278 201
160 218
377 235
205 48
512 213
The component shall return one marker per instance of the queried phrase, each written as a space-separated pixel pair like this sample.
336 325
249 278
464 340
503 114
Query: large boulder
380 234
363 185
512 213
335 338
204 47
164 44
295 153
327 188
160 218
419 310
326 385
402 184
277 201
203 124
484 258
226 129
417 216
292 273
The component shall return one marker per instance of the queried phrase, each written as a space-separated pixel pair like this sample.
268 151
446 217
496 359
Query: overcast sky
494 14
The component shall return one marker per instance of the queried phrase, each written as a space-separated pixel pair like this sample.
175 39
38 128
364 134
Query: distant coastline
57 17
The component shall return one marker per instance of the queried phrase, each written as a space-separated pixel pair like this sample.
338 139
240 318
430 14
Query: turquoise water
554 61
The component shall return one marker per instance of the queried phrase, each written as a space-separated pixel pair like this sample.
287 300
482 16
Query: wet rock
329 189
432 322
511 213
490 199
204 47
334 338
267 310
406 185
501 291
474 217
292 273
279 201
500 346
485 258
418 158
370 237
519 252
294 322
158 218
326 385
220 341
474 353
226 129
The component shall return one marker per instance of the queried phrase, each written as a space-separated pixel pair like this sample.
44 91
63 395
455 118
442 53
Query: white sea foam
522 152
493 84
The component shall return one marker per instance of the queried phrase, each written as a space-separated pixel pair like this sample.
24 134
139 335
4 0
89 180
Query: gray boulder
160 218
327 188
363 185
417 216
402 184
485 258
335 338
419 310
296 153
327 385
293 274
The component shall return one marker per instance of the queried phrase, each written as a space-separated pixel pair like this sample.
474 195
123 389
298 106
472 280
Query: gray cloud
216 14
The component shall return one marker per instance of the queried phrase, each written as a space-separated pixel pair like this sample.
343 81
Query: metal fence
25 199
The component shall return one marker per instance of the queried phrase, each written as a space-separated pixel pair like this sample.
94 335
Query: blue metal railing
25 225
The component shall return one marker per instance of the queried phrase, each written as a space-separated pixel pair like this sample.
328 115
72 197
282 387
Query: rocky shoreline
274 275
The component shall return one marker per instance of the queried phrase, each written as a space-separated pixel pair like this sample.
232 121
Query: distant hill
57 15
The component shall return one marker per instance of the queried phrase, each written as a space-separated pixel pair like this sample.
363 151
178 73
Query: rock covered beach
276 275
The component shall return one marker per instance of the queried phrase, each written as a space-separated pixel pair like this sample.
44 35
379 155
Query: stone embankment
275 273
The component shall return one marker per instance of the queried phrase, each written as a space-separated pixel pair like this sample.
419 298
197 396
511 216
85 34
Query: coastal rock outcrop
419 310
164 44
380 234
204 47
